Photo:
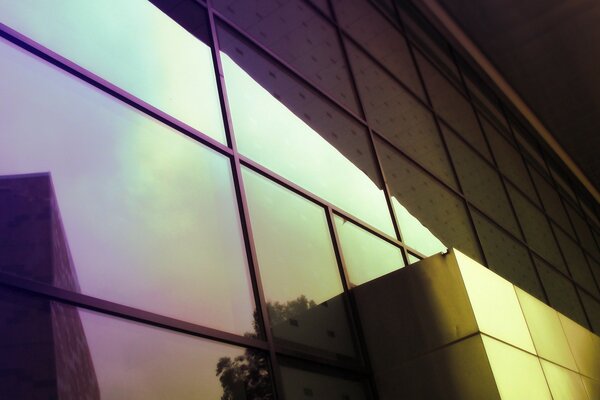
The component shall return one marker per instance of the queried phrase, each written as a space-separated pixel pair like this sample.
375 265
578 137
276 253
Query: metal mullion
242 201
286 66
253 165
110 89
578 240
534 252
386 70
447 151
125 312
496 168
349 299
374 152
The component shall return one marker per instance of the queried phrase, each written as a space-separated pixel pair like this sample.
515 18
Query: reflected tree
247 376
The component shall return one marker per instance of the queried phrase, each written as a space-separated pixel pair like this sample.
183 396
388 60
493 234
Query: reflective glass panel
452 106
506 256
297 34
399 117
561 292
54 351
366 256
430 216
298 268
481 183
299 384
98 197
283 125
133 45
380 38
536 228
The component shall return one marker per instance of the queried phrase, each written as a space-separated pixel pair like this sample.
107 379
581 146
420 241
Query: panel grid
450 162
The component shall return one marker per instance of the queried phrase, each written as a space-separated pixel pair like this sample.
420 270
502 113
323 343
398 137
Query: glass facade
189 192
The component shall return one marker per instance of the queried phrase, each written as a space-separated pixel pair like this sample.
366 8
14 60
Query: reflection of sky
295 252
268 132
366 256
150 216
415 234
133 361
131 44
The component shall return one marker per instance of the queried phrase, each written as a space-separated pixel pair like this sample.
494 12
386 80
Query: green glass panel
282 124
298 268
133 45
366 256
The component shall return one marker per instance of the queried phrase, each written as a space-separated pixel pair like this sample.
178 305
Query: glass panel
300 385
551 201
452 106
289 129
398 116
100 198
509 161
131 44
298 267
481 183
536 228
54 351
583 232
507 257
366 256
561 292
297 34
380 38
580 270
431 217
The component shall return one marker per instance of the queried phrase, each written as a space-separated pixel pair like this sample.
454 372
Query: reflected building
45 352
230 186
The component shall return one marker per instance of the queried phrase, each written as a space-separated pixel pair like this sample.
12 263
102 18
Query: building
226 174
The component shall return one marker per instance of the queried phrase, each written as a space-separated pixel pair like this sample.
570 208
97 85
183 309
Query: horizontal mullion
126 312
105 86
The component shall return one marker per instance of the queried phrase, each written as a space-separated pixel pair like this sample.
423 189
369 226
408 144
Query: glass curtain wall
190 191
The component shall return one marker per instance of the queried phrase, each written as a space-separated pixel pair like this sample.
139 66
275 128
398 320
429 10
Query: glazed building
224 200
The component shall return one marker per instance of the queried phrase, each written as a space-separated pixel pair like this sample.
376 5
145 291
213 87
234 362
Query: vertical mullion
254 269
445 145
560 196
502 178
349 299
375 153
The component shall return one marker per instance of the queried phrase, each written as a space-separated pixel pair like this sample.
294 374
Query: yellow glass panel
592 387
585 347
564 384
494 303
518 374
546 331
